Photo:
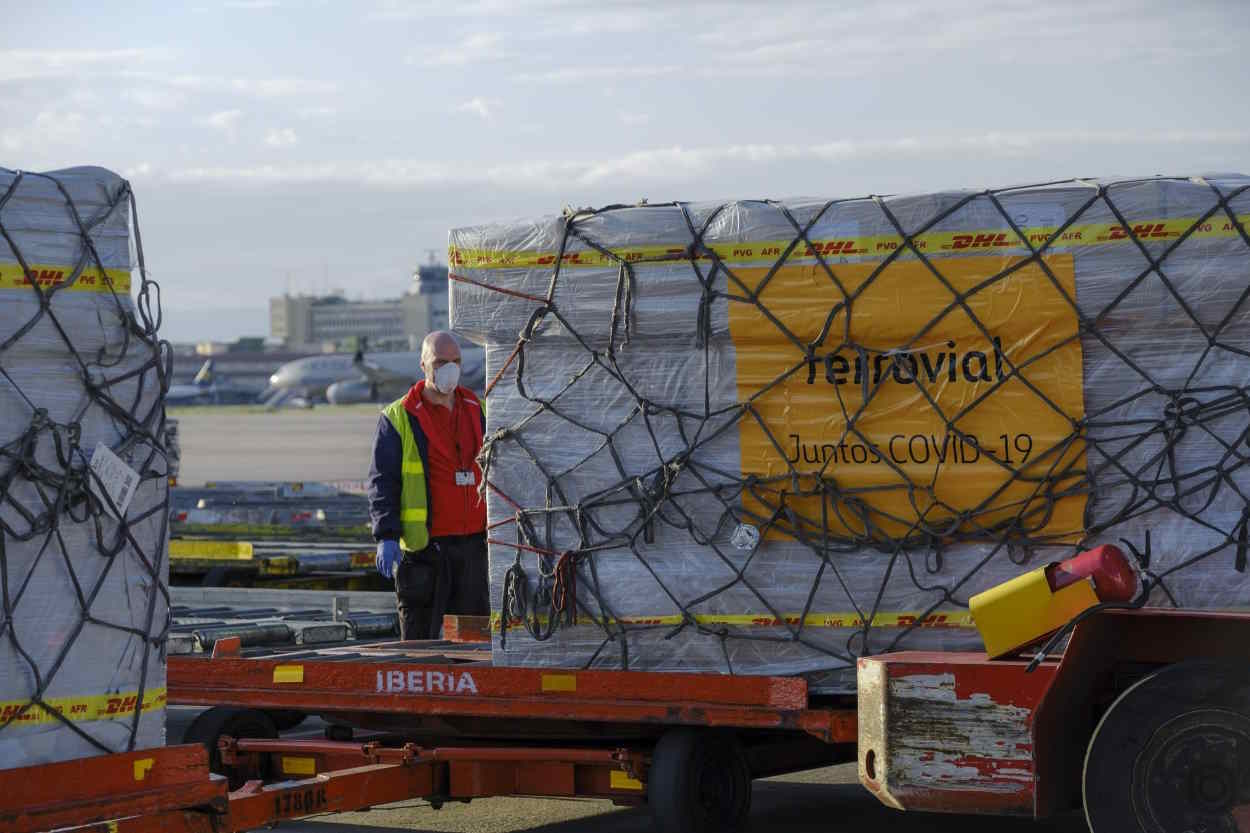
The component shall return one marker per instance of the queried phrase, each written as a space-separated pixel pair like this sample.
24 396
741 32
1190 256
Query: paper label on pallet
990 348
746 537
114 478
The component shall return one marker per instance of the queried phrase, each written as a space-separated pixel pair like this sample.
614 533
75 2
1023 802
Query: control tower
430 278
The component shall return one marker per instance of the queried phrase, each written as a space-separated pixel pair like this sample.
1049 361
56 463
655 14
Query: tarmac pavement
826 800
329 442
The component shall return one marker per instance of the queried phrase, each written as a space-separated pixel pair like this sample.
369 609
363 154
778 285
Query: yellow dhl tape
119 706
142 767
867 246
47 276
900 619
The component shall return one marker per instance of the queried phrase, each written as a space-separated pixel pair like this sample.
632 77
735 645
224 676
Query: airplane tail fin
204 377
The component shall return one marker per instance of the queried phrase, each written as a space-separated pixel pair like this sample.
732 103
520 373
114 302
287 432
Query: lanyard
457 412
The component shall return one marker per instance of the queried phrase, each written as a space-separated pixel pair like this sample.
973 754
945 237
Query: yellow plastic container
192 548
1023 610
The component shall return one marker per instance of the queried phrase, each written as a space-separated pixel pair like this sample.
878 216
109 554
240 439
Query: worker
425 501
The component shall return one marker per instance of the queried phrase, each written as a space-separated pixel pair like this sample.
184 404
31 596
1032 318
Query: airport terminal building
311 323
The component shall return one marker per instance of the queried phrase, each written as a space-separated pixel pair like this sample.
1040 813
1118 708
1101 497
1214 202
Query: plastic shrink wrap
769 437
85 603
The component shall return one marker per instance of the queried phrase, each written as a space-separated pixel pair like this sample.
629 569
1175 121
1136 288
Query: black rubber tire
698 782
338 732
285 719
212 724
1172 753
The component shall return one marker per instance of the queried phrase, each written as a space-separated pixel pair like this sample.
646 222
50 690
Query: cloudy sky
280 144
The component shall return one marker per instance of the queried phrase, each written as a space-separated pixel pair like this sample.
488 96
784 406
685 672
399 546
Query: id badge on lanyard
464 476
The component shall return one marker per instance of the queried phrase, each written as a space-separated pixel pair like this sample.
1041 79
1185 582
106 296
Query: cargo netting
1069 362
84 508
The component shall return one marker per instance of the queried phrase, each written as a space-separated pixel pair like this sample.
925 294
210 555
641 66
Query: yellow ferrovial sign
870 410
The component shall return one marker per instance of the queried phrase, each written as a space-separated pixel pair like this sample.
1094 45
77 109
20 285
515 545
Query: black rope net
83 472
770 437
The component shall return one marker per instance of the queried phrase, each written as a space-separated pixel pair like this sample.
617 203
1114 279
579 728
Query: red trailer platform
487 730
1144 719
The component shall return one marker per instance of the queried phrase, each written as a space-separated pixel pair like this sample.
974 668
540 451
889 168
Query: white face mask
447 377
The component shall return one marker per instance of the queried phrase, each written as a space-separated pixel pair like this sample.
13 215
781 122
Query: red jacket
455 438
386 476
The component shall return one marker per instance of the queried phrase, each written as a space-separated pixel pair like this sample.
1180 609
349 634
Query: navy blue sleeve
385 482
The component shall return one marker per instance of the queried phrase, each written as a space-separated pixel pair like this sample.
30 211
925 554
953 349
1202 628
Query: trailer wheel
212 724
1172 754
698 783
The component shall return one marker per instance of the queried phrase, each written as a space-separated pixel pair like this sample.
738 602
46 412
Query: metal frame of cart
931 731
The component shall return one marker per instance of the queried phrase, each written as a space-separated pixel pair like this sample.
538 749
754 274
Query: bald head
439 348
439 344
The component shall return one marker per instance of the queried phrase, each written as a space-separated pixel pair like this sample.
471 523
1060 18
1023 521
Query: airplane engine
351 392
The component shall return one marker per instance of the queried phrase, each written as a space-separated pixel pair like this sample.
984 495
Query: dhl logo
980 241
934 620
771 621
833 247
116 705
13 276
1142 231
46 277
10 713
570 258
822 248
56 277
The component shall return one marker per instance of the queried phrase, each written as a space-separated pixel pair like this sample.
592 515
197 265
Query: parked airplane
208 388
343 379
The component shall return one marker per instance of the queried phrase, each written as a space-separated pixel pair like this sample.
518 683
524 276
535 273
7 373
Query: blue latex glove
387 558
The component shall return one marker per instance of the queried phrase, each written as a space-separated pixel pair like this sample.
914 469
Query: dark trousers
448 576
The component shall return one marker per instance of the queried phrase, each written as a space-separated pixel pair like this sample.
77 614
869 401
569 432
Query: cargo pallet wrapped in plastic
770 437
84 519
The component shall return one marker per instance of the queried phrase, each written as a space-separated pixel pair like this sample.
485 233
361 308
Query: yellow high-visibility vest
414 510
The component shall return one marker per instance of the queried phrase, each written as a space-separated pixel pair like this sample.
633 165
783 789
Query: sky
309 145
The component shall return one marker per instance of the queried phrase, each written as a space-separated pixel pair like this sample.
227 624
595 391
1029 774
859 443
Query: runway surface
819 801
330 442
